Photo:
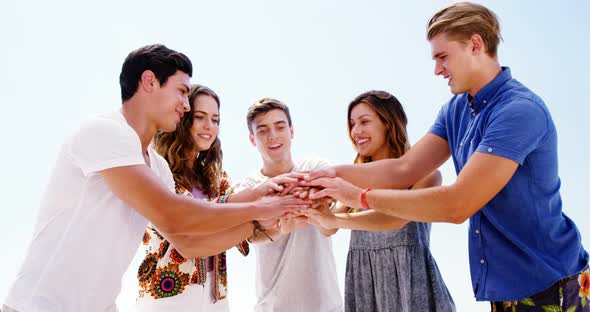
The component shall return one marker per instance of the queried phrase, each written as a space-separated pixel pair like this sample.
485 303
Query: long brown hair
392 114
179 149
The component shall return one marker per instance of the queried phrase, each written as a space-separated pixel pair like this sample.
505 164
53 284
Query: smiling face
205 121
272 136
368 132
454 61
169 102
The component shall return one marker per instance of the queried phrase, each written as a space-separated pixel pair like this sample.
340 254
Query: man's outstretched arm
401 173
143 191
199 246
479 181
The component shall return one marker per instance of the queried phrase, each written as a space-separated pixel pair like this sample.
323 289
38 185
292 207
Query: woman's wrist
363 198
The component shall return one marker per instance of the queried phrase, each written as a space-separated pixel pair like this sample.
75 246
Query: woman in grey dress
389 265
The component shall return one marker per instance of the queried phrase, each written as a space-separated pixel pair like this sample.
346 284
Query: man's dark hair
163 62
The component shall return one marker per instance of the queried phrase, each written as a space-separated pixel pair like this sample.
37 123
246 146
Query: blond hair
464 19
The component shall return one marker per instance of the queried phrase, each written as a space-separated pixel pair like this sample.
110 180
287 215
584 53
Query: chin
203 148
168 128
275 158
364 153
458 90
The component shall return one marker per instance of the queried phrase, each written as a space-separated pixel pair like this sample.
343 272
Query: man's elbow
457 219
167 222
460 212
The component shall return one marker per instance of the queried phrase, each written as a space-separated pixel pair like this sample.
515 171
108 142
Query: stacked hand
322 187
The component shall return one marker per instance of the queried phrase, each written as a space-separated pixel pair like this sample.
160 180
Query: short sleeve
163 170
439 128
515 130
243 184
319 164
103 143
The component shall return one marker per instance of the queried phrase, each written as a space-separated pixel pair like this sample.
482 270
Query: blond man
525 254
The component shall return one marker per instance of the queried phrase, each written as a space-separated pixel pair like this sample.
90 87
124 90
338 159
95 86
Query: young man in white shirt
296 271
107 183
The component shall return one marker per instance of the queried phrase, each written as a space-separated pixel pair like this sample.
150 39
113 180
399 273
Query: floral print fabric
570 294
164 272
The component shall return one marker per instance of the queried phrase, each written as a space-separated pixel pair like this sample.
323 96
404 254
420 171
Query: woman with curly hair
167 280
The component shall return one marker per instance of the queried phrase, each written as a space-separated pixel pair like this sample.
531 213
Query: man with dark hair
162 61
107 183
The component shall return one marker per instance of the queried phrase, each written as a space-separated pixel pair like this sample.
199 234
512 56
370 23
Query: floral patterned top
164 272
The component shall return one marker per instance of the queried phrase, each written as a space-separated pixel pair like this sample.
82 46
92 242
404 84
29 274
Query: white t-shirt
84 237
296 272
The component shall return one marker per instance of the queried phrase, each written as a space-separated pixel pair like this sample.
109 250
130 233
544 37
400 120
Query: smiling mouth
205 136
360 142
275 146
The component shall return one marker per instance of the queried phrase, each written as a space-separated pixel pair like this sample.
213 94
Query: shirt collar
484 95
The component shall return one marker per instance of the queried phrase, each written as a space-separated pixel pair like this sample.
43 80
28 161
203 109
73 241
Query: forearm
245 195
387 173
337 207
188 216
436 204
198 246
370 220
429 153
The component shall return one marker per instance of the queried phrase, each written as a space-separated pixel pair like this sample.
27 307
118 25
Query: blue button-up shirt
520 242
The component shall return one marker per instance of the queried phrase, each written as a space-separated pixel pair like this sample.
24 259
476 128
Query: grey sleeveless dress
394 271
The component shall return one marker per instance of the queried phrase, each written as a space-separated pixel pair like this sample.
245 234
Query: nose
207 124
355 130
185 105
438 68
272 134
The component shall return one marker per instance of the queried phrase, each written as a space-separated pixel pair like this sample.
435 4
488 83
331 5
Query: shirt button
476 231
490 149
482 261
473 114
484 101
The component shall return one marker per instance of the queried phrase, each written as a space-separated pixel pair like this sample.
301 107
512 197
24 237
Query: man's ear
292 132
251 137
477 44
148 81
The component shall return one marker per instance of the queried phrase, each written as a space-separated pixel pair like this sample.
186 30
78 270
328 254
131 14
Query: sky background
60 63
